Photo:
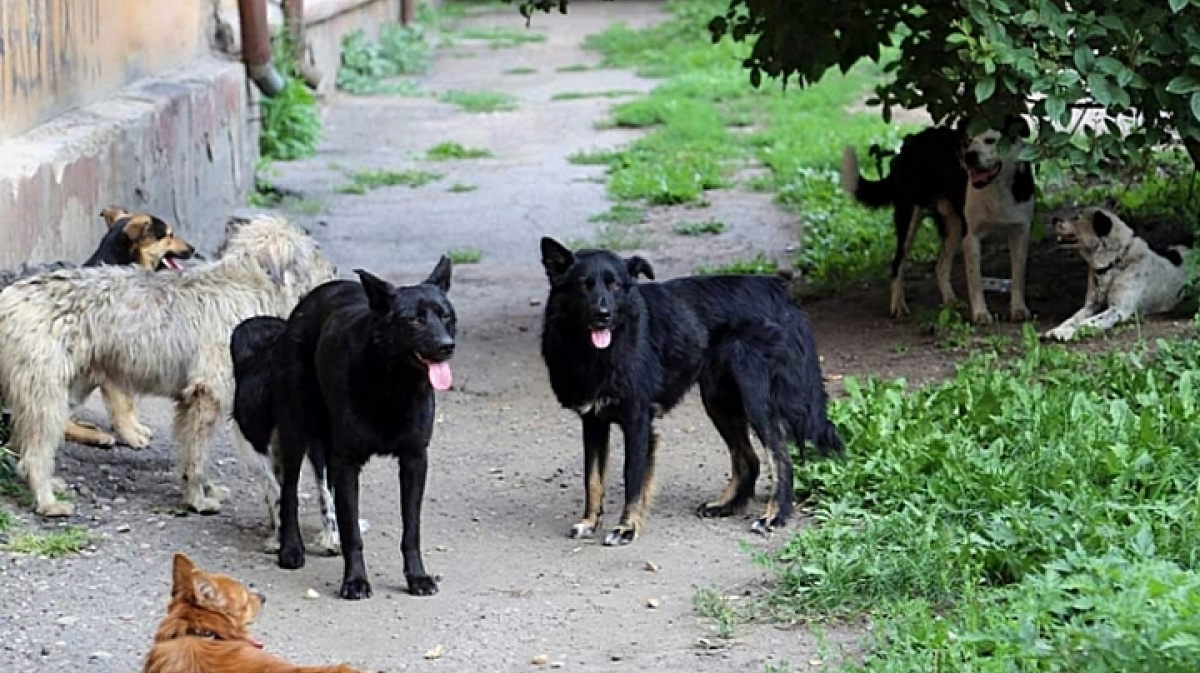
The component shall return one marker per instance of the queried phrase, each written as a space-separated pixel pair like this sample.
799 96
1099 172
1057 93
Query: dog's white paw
56 509
135 435
218 493
328 543
582 530
58 484
196 501
983 317
1059 334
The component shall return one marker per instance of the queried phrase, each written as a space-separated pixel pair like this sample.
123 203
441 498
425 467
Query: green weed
450 150
577 67
461 188
290 126
716 606
480 101
371 66
500 37
703 228
363 181
761 264
465 255
596 158
581 95
1038 514
521 71
63 542
621 214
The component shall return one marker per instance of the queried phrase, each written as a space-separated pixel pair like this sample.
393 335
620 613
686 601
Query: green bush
291 124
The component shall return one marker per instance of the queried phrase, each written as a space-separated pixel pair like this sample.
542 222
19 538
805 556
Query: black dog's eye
589 283
417 319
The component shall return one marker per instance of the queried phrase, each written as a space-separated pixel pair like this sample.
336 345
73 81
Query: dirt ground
505 479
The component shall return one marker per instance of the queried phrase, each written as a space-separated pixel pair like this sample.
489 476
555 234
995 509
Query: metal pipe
407 12
293 18
256 47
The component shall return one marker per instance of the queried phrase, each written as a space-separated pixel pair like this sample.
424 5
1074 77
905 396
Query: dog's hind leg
907 221
291 448
330 540
197 412
595 469
82 432
38 424
270 472
123 413
950 227
972 252
640 445
412 493
723 403
1018 251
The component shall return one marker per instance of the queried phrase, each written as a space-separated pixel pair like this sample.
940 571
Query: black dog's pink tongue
601 338
440 376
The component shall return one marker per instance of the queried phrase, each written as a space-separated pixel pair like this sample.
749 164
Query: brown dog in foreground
206 629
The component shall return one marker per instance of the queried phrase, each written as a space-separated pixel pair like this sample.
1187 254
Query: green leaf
1106 92
1055 109
1196 106
984 89
1084 59
1177 5
1184 84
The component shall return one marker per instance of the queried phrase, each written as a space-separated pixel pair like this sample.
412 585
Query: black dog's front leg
595 468
344 476
640 443
412 492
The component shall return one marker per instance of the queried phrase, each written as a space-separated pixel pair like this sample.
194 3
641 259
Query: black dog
354 375
620 352
926 178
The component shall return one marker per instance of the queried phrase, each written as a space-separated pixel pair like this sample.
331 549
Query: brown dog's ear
204 592
182 570
1101 223
379 291
440 276
636 265
111 214
556 259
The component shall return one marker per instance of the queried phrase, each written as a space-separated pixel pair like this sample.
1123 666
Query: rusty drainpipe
293 17
406 12
256 47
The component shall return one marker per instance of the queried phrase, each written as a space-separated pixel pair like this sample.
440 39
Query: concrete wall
57 55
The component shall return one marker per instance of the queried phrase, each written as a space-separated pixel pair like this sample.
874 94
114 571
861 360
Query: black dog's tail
252 345
870 193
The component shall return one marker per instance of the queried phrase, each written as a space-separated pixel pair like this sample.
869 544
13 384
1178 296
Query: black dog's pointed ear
379 291
1101 223
441 274
556 258
636 265
1015 125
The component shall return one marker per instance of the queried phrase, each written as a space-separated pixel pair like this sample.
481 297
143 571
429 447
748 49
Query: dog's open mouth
170 261
440 376
1066 239
601 334
982 177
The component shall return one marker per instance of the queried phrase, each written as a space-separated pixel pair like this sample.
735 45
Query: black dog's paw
421 585
355 588
713 510
622 535
762 525
291 558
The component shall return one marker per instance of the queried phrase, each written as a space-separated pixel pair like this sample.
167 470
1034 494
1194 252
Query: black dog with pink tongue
364 359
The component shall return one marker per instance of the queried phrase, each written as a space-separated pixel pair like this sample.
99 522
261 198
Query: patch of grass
948 326
615 237
451 150
576 67
621 214
363 181
797 135
369 67
1033 514
465 255
480 101
521 71
580 95
461 188
290 126
63 542
760 265
596 158
708 227
498 37
718 607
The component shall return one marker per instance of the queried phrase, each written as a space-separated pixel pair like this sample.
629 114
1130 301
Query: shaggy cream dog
66 332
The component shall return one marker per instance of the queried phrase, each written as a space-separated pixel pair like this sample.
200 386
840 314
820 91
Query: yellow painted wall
56 55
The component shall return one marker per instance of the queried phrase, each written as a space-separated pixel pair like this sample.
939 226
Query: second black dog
622 352
358 366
